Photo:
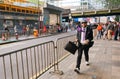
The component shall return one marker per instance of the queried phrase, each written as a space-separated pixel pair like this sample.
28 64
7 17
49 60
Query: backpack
99 28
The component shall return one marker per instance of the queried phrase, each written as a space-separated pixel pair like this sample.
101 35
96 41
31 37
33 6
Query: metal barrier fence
60 53
27 63
61 42
31 62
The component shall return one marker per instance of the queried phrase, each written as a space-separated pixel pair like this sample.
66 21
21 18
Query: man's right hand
86 42
76 40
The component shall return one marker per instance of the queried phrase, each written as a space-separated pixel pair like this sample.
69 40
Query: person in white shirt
84 38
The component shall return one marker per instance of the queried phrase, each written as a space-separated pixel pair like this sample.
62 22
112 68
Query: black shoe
115 39
77 70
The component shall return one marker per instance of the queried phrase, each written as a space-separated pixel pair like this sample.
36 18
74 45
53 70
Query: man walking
110 30
84 37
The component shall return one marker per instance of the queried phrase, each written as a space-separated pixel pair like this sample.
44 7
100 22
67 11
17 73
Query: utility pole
38 18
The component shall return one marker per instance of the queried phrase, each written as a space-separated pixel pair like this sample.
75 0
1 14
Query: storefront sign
18 17
8 17
21 17
31 18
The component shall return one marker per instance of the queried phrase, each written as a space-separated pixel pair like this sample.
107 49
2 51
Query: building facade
12 15
78 5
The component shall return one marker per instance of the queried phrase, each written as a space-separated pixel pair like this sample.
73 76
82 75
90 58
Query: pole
119 18
38 18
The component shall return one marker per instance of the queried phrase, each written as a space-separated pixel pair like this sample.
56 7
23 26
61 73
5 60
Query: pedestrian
27 30
35 32
58 28
116 26
24 30
99 31
119 30
3 37
110 29
6 31
16 32
84 37
105 31
15 29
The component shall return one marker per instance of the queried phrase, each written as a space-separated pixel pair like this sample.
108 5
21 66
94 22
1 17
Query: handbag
91 44
71 47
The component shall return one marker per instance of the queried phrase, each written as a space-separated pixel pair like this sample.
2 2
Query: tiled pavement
104 63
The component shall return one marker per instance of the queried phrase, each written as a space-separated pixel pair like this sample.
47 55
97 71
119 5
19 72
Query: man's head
109 22
84 23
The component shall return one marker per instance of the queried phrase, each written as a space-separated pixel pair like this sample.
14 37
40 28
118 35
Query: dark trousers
116 35
82 48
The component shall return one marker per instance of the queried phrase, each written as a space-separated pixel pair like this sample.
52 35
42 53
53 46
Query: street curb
28 39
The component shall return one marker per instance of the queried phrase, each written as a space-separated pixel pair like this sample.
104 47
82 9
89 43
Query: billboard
17 0
33 1
41 3
24 3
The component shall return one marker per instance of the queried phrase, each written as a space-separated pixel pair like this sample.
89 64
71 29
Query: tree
110 3
117 18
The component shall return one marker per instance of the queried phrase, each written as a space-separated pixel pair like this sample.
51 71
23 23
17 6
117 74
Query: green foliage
110 3
117 18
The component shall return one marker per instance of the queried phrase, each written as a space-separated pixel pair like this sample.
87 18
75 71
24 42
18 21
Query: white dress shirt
83 35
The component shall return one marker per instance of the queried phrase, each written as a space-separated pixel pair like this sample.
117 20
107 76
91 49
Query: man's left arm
89 36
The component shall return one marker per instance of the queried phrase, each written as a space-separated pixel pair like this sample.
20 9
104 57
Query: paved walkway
104 63
21 38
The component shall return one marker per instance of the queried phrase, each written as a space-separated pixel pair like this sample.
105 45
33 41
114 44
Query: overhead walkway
104 63
95 8
92 13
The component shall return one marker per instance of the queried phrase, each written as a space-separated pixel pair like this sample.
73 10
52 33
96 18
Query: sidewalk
21 38
104 63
